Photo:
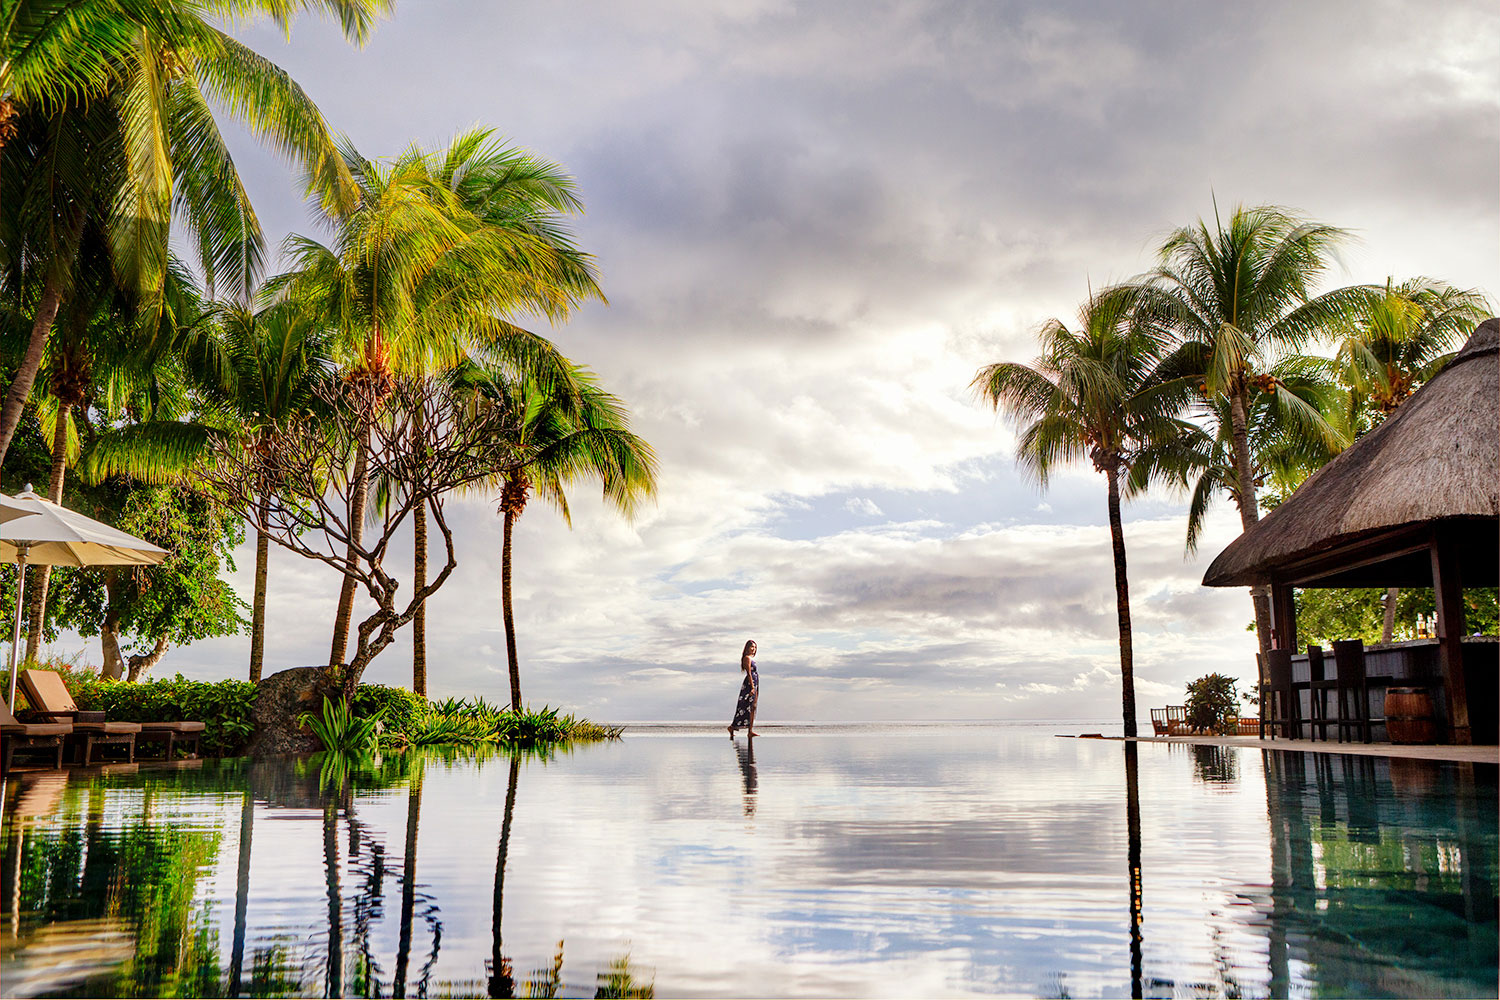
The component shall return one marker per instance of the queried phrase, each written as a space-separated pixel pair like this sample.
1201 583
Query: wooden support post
1447 589
1283 617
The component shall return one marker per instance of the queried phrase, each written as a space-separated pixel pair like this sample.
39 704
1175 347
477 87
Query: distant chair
1176 720
1352 690
1159 722
1278 703
1319 684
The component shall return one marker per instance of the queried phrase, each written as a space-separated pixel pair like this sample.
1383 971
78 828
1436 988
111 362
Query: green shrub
401 711
1212 702
226 708
339 728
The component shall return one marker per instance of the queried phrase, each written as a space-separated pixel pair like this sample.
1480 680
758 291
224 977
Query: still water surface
849 861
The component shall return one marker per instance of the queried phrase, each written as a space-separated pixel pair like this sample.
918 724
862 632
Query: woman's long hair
748 644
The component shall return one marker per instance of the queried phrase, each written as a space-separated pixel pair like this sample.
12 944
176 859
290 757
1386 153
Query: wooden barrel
1408 715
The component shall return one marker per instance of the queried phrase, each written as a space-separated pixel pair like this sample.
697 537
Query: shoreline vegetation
379 718
196 396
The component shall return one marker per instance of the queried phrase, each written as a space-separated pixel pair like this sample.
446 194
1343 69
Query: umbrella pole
15 632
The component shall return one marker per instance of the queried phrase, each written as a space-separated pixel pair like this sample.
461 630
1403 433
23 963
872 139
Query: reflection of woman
746 753
744 709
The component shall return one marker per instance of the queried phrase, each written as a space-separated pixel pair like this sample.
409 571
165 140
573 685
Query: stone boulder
280 700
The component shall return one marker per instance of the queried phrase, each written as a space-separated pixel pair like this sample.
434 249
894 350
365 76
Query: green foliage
183 599
340 729
1212 704
225 707
401 711
1324 615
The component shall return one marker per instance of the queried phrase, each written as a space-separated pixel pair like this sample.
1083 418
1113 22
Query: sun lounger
31 736
49 697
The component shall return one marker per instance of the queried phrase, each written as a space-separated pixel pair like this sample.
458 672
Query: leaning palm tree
1101 392
423 274
1240 295
145 78
550 434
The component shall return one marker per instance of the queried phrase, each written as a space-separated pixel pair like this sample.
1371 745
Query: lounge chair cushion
173 727
11 727
46 691
108 728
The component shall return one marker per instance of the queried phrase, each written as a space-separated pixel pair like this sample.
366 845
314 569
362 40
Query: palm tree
143 77
280 358
1098 391
1241 296
551 434
1406 336
416 279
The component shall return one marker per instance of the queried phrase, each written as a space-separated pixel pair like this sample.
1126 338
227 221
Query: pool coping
1488 754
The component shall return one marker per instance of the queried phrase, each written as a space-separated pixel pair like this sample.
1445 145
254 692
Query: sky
815 223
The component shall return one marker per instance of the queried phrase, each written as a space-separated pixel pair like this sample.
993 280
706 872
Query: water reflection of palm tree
242 883
335 975
502 980
746 754
408 879
1133 833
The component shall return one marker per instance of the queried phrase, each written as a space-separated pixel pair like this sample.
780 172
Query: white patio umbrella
57 536
10 510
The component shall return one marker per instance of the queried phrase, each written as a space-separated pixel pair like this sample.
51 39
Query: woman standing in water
744 709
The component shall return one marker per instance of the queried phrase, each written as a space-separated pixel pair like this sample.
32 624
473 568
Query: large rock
280 700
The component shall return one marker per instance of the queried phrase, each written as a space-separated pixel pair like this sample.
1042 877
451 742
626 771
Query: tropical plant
1212 704
1102 392
547 434
110 106
1239 296
442 249
339 729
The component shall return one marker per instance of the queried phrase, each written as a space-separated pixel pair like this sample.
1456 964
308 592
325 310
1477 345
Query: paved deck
1468 755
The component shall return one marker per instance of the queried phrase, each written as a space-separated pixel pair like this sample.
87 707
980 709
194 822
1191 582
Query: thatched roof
1436 459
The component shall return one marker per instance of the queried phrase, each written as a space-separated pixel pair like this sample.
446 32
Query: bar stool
1318 686
1353 690
1279 698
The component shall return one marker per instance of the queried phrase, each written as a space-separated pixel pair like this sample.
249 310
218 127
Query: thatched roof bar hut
1414 503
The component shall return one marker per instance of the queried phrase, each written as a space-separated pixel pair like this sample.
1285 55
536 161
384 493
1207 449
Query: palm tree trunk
361 485
1122 602
1249 514
510 618
1388 630
419 620
258 612
42 575
31 361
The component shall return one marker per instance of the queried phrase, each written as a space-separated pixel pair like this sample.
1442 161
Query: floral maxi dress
749 694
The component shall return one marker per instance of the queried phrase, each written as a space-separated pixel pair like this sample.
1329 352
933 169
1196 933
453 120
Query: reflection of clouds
881 861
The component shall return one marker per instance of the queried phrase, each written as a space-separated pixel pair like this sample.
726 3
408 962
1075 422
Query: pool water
845 861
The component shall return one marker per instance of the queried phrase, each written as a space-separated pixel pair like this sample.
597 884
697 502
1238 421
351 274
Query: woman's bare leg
751 728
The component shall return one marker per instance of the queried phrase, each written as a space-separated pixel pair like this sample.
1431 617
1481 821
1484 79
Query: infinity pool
848 861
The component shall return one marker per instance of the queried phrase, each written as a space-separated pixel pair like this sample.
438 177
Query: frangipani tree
428 270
